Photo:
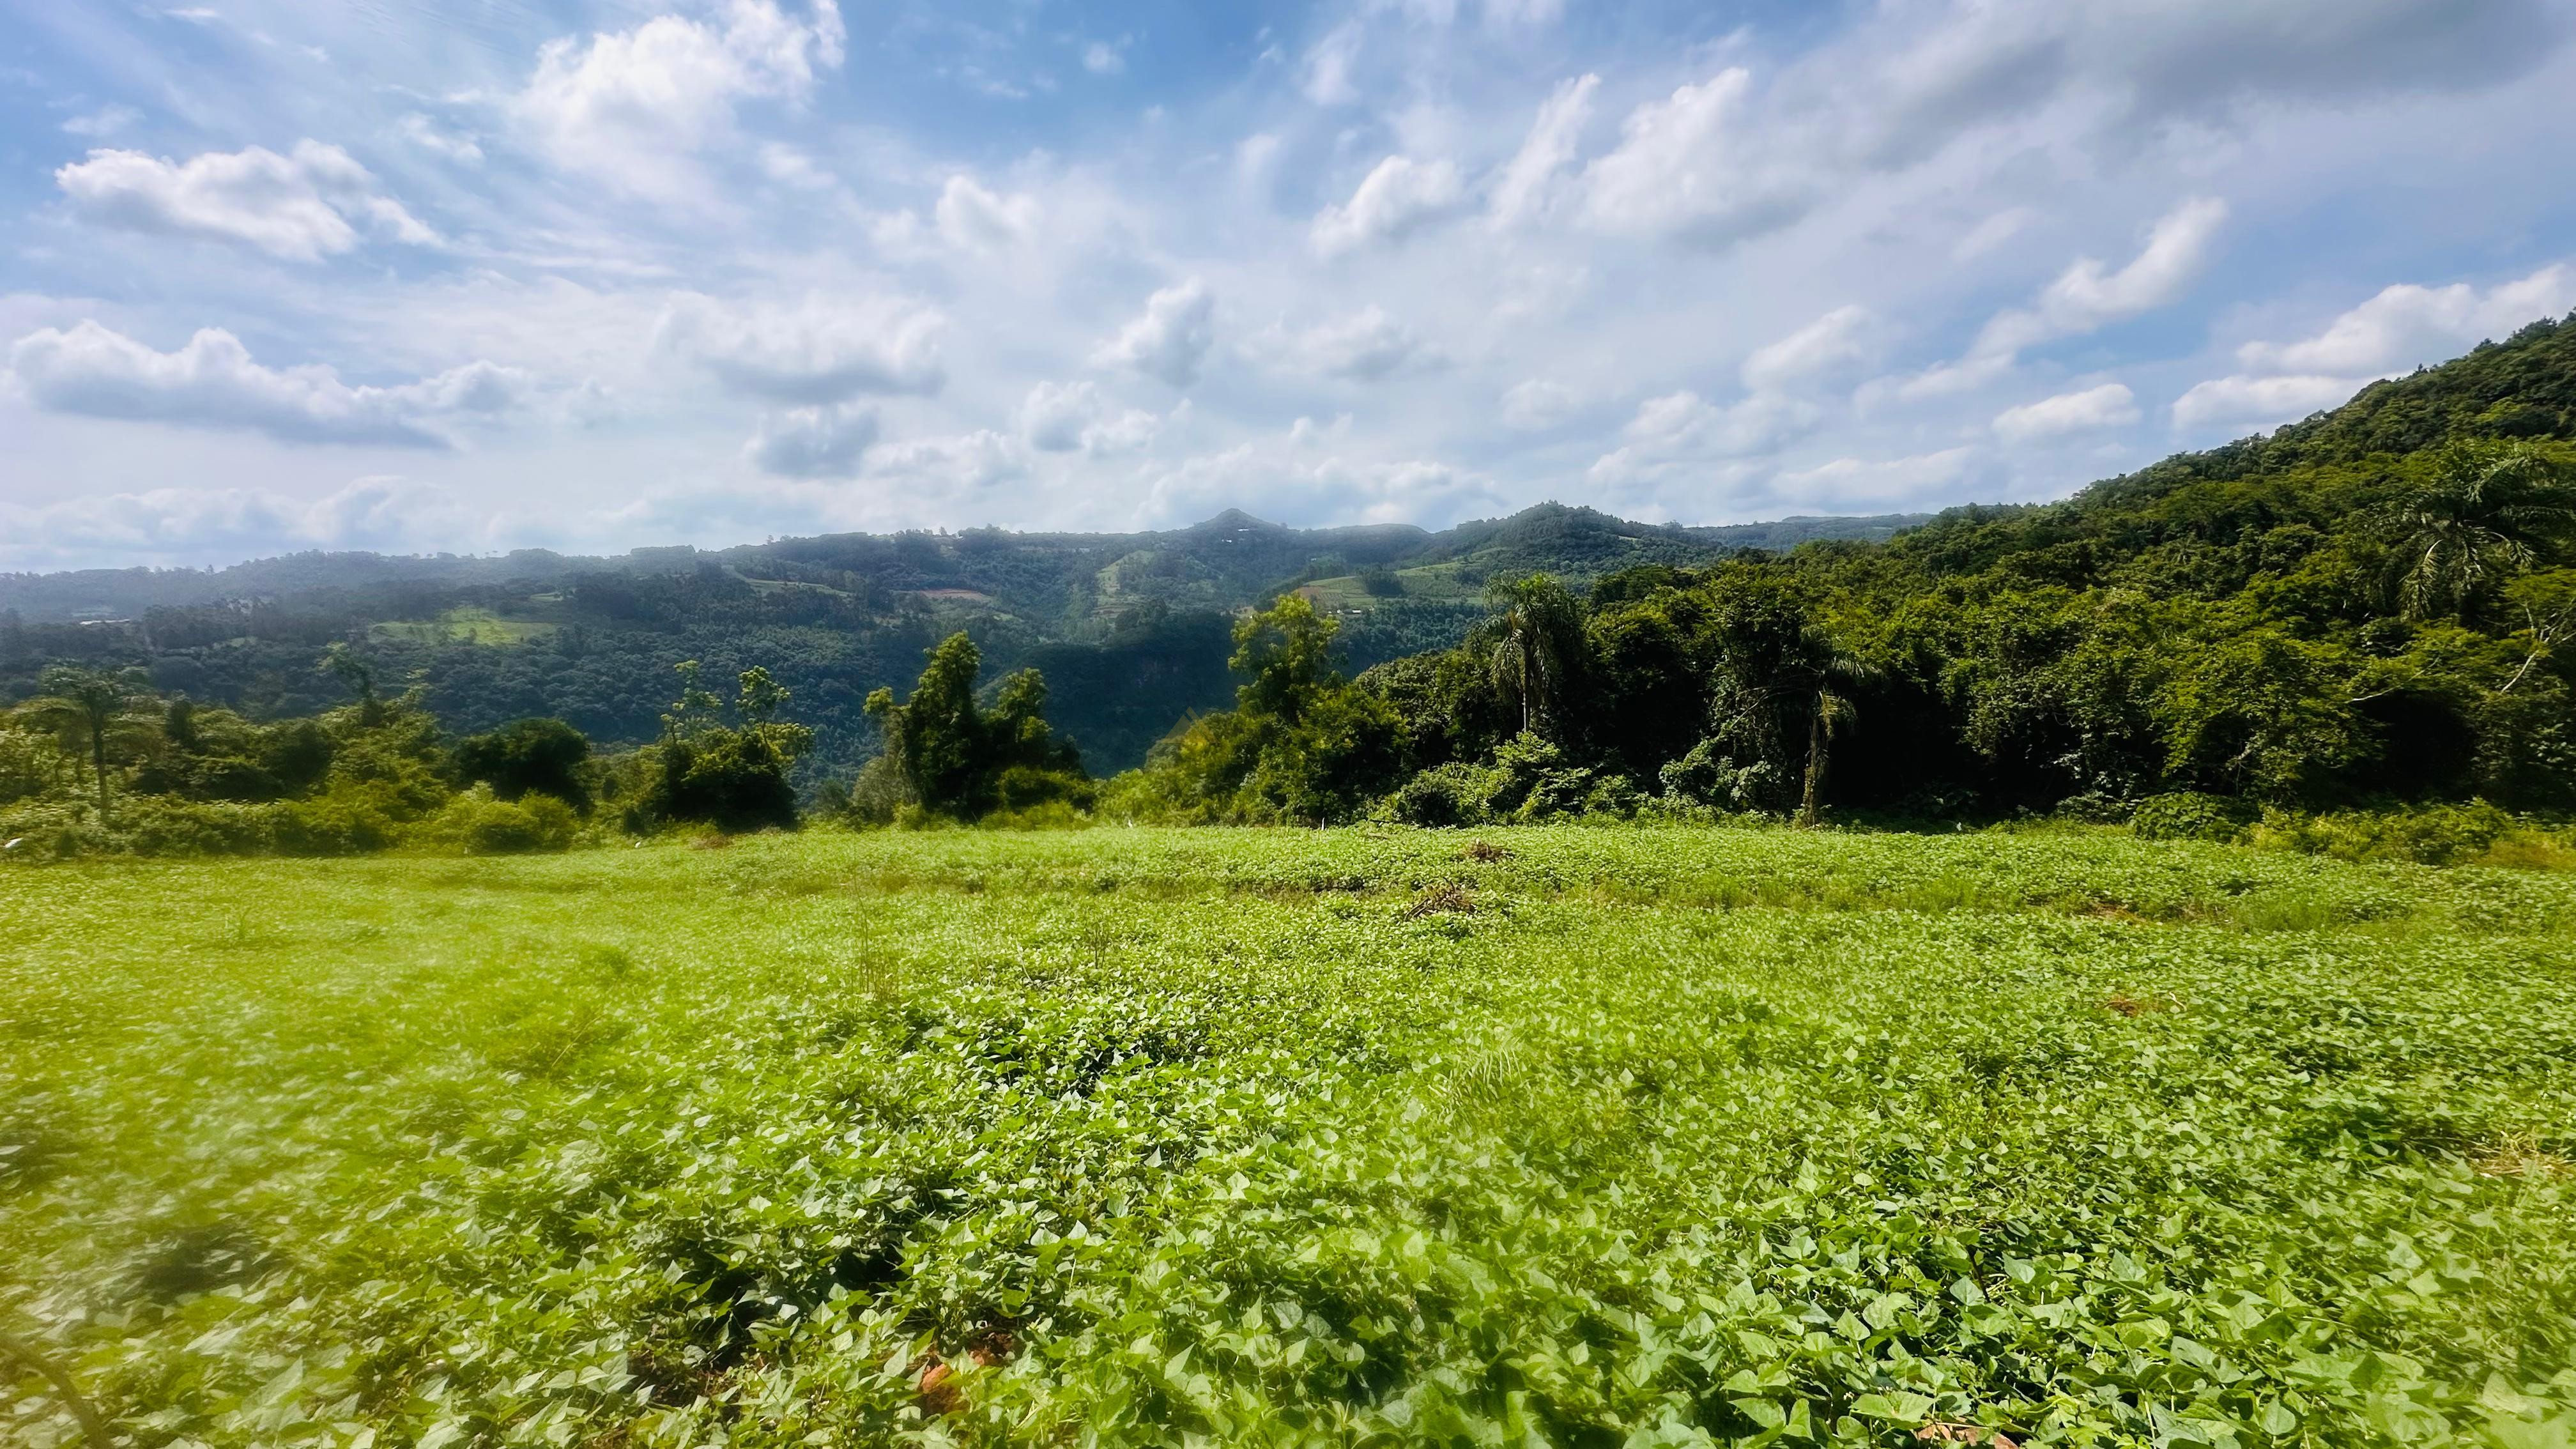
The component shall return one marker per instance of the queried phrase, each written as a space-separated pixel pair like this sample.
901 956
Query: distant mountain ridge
73 594
1129 629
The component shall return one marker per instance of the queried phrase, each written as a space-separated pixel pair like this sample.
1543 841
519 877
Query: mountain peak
1232 520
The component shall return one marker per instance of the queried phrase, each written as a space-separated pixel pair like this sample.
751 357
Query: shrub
347 819
2190 816
180 827
479 823
1445 795
2430 835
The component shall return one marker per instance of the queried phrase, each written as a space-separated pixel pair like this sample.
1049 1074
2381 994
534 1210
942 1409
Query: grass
1566 1136
466 625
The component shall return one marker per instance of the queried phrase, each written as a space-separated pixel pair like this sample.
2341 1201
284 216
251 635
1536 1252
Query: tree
344 664
89 712
1287 652
729 775
546 756
1541 647
955 759
2490 511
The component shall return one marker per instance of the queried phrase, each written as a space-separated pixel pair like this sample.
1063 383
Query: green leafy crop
1559 1135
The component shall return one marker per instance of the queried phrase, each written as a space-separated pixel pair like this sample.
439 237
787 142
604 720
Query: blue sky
500 273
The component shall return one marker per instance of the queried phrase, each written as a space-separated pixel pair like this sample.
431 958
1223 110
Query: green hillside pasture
1566 1136
466 625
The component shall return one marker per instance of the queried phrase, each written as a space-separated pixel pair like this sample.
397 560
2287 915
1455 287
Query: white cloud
2088 296
1329 66
631 106
1873 483
1398 198
2402 327
1991 233
2261 400
2109 406
1073 417
303 206
1697 167
822 350
1306 480
1171 339
1537 405
1527 185
423 132
1682 430
103 122
2407 325
968 461
817 442
1102 58
188 526
1365 346
979 220
214 382
1840 339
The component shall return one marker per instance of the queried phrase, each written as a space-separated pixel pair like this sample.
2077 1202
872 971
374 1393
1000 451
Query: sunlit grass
1586 1135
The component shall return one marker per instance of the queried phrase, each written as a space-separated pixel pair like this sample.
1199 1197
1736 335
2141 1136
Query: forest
2363 612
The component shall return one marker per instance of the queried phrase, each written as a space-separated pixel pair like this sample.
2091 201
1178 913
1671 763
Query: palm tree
2490 511
88 712
1830 677
1542 640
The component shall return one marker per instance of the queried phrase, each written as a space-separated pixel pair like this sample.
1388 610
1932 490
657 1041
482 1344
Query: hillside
1130 629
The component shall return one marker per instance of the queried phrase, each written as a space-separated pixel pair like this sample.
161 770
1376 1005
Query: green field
1562 1136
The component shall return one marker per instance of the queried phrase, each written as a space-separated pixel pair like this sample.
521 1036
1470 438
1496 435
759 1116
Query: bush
2191 816
1445 795
2430 835
479 823
347 819
166 827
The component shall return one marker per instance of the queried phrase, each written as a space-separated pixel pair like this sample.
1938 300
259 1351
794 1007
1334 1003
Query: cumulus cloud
1308 480
1072 417
820 351
303 206
1839 340
214 382
816 442
961 463
979 220
630 106
423 132
2109 406
1171 339
1365 346
186 526
2403 327
1900 92
1537 405
1681 430
1526 189
1874 483
1697 167
1398 198
2084 298
2088 295
2406 325
2260 400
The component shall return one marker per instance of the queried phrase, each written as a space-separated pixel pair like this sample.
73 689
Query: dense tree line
2366 609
